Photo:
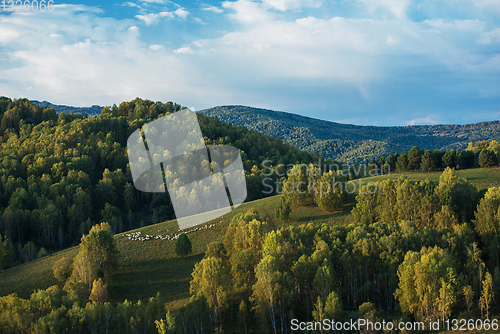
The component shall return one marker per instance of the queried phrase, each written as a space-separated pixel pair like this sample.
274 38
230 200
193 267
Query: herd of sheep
137 236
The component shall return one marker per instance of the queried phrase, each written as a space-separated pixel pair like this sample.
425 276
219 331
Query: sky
367 62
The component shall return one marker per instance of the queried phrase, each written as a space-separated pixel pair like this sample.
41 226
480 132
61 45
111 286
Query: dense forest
62 173
418 251
481 154
353 143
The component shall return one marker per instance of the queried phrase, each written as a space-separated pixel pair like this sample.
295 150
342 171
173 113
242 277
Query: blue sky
369 62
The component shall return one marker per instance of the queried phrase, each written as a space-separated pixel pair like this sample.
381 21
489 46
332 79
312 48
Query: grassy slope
148 267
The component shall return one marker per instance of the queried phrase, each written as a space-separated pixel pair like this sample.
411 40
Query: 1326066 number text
26 5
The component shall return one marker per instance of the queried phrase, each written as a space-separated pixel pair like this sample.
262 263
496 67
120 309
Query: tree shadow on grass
144 279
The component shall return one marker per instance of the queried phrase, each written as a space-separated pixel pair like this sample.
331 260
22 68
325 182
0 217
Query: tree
183 245
487 215
282 210
469 295
414 158
427 163
447 295
445 218
333 307
295 187
365 210
318 312
99 292
96 257
211 278
486 295
2 254
62 269
418 292
167 326
449 158
330 194
402 163
487 158
101 246
243 314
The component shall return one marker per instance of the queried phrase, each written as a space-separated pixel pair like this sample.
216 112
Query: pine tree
427 163
414 158
402 163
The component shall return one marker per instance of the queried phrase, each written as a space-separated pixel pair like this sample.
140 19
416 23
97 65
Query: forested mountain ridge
346 142
62 173
94 110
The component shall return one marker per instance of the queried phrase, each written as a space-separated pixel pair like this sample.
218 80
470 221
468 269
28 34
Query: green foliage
451 201
99 293
427 163
330 192
486 295
487 158
282 210
183 246
417 293
488 215
62 269
402 163
58 311
61 173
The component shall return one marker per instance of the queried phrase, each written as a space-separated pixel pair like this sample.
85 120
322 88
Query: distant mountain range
91 111
351 143
343 142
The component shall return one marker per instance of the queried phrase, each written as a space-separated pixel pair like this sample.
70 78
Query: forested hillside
418 251
62 173
352 143
331 247
91 111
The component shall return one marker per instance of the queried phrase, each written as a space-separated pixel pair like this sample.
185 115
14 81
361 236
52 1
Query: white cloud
130 4
8 34
213 9
155 47
490 37
391 40
247 11
181 13
95 61
76 56
152 18
396 7
185 49
430 119
284 5
200 21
